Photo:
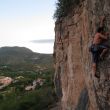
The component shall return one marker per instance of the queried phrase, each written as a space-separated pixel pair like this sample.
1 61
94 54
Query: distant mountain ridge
16 55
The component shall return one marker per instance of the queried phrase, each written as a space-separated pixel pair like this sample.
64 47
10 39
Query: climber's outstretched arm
104 36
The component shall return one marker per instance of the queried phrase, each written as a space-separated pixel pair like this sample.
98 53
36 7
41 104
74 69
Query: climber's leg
95 57
103 52
94 68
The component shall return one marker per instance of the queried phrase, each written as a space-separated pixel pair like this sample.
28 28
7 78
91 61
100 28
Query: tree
64 6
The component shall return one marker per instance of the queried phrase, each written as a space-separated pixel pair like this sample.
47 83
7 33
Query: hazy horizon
27 23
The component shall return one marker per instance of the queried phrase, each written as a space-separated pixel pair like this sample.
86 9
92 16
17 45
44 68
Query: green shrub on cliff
64 6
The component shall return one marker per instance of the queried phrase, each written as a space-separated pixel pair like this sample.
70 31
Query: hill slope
19 55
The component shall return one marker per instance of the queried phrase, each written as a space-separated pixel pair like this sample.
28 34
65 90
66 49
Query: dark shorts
96 51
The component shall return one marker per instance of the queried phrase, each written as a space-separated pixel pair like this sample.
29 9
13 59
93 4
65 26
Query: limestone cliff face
76 86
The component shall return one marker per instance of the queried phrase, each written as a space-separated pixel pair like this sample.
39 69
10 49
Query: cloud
43 41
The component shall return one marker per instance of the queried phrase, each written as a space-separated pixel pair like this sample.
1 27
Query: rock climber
98 48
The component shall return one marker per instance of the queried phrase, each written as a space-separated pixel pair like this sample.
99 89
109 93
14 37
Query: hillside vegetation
32 79
22 55
63 7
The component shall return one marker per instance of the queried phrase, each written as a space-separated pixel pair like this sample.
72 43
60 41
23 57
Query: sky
27 23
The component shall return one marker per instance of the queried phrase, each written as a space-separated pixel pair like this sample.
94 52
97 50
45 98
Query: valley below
26 80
